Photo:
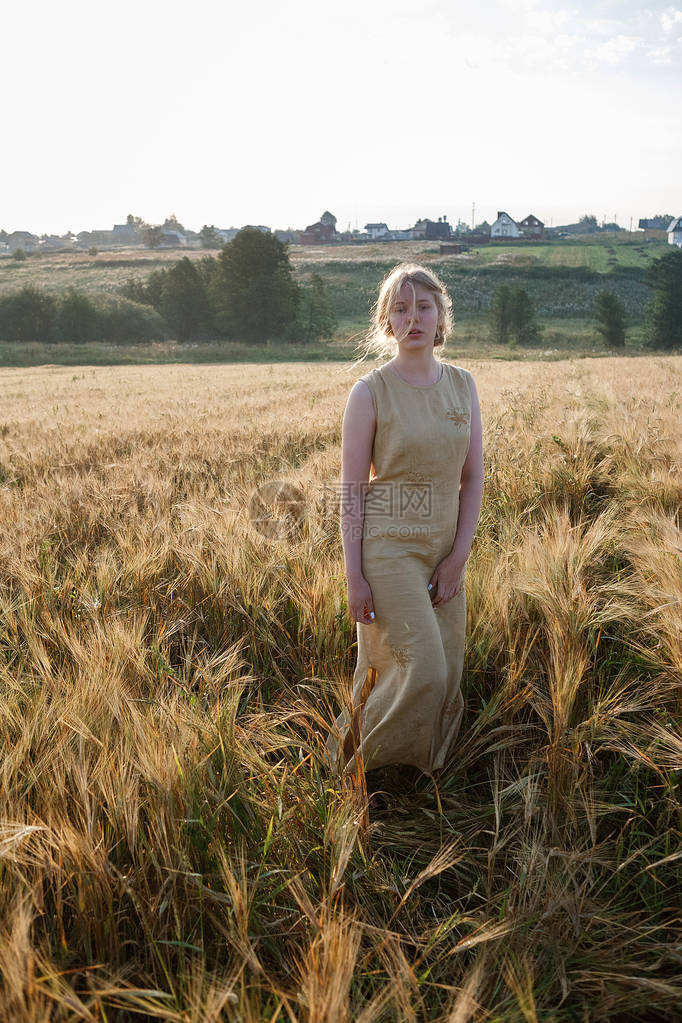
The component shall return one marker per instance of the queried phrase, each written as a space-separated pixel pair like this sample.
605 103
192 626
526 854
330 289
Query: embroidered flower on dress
401 656
457 414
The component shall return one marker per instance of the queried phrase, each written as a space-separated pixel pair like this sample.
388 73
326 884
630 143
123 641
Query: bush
184 301
33 315
123 322
664 313
512 317
147 290
523 324
27 315
317 317
610 315
76 318
19 255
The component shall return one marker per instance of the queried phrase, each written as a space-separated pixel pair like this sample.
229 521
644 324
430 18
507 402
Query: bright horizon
376 112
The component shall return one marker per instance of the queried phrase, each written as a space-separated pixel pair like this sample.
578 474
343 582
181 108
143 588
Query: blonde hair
380 342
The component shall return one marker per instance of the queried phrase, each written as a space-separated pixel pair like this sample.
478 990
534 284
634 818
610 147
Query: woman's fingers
367 612
364 614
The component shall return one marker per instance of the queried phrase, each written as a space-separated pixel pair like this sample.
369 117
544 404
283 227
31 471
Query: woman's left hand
446 580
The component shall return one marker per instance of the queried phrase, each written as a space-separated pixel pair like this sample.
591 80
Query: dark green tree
151 235
148 290
524 326
664 312
318 318
210 239
500 319
254 295
184 302
76 319
27 315
610 315
587 224
512 317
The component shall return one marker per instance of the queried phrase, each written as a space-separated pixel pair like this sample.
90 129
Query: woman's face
414 316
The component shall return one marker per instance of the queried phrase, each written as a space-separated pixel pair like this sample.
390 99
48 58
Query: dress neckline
418 387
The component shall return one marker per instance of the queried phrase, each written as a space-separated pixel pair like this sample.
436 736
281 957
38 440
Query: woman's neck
420 367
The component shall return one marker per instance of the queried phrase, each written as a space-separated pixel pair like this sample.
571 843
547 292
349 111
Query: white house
505 227
376 230
675 232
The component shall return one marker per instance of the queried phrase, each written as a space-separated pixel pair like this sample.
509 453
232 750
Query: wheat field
172 846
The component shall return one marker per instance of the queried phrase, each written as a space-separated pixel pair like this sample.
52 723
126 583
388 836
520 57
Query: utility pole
473 216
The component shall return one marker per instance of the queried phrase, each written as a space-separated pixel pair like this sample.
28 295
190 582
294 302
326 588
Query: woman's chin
416 342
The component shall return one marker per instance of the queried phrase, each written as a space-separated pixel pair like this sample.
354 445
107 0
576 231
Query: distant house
318 234
97 239
653 223
376 230
323 232
675 232
438 230
172 238
55 242
532 227
126 234
22 240
505 227
226 234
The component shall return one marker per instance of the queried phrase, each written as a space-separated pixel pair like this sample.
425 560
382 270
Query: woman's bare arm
471 484
359 425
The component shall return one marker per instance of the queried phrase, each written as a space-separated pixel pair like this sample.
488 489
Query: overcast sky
272 111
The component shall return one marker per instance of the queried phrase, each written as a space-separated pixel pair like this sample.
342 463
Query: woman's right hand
360 603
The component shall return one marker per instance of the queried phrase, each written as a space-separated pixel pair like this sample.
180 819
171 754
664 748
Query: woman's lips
414 333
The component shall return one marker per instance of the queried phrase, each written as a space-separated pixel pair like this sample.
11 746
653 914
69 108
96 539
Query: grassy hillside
173 846
562 279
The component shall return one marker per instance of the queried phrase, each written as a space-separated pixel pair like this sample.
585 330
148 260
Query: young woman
412 480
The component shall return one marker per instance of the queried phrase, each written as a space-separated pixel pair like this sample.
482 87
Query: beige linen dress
407 703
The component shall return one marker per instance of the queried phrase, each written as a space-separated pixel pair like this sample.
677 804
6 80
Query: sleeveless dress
407 703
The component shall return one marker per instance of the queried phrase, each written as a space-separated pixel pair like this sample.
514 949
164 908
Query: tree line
247 293
512 317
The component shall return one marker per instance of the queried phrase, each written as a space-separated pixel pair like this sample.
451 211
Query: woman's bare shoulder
460 371
361 399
